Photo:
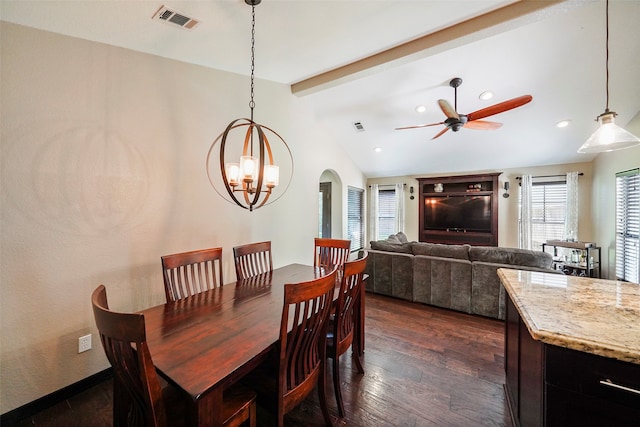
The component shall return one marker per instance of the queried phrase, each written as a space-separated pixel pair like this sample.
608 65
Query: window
386 213
628 225
355 214
548 206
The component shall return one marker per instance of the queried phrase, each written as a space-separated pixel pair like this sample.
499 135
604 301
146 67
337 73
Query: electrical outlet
84 343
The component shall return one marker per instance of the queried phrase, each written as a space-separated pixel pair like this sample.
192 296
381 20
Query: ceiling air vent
358 126
164 14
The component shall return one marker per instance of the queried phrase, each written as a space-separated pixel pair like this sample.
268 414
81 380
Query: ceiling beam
508 17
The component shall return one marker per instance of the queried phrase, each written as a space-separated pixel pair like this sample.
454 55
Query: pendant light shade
245 173
608 136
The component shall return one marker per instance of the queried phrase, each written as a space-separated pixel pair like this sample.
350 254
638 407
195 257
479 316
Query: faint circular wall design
86 180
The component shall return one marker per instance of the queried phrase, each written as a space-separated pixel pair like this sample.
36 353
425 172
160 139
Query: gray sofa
458 277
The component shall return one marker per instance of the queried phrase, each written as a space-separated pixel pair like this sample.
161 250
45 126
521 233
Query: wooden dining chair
252 259
123 338
330 252
299 364
189 273
340 334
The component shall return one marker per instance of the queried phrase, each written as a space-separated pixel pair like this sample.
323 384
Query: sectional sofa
457 277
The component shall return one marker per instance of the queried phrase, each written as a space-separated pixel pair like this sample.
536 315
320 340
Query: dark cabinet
459 209
547 385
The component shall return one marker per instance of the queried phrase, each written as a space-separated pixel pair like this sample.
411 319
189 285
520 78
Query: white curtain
571 213
524 235
399 226
373 212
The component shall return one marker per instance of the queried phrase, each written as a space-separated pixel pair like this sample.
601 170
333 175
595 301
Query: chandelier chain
252 103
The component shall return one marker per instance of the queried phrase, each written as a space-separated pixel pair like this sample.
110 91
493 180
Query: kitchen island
572 350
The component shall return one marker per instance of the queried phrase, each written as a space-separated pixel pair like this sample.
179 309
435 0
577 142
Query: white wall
103 171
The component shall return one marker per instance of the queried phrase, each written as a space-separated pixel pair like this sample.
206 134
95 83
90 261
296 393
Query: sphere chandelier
249 178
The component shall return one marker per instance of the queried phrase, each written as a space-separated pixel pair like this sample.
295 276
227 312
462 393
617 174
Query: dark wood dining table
205 343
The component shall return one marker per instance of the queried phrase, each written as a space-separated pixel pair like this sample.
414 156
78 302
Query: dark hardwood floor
424 366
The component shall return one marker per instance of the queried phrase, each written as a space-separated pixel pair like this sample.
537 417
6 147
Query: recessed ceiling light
421 109
487 94
563 123
377 149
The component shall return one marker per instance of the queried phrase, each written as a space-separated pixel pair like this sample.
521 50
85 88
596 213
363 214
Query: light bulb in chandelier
233 173
272 175
248 168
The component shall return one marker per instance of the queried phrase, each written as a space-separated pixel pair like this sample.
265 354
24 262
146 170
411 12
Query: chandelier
608 136
246 168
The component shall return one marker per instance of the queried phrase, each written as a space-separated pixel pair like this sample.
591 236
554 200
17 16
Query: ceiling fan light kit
456 121
608 136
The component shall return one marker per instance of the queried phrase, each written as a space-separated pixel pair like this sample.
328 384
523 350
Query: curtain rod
549 176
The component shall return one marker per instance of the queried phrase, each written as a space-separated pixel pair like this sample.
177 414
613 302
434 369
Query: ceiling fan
456 121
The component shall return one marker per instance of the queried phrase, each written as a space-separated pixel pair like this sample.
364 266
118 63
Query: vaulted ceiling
372 62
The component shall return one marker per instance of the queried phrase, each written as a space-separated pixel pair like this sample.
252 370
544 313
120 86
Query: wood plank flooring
424 366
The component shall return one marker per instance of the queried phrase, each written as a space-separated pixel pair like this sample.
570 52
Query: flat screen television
458 213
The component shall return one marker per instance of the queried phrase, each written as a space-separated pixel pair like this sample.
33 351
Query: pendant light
249 179
608 136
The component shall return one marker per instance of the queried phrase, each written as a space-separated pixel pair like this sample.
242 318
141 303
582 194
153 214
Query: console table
587 264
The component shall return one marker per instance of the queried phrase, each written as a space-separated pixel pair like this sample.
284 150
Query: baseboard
13 417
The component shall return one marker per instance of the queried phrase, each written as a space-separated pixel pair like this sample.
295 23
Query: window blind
628 225
386 213
355 215
548 206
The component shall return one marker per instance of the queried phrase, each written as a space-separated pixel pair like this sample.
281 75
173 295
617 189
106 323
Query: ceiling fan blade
420 126
447 109
482 125
440 133
499 108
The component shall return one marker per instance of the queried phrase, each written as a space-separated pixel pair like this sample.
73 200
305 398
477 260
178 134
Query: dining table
205 343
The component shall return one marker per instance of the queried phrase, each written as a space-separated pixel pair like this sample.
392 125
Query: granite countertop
591 315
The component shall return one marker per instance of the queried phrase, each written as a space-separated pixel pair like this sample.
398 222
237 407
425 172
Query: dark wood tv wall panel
458 187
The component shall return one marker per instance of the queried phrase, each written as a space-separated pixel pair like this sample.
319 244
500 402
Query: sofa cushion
511 256
399 237
444 282
393 239
402 237
383 245
440 250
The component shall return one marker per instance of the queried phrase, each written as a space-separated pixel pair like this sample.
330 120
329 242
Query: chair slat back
123 338
252 259
303 336
350 290
189 273
330 252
